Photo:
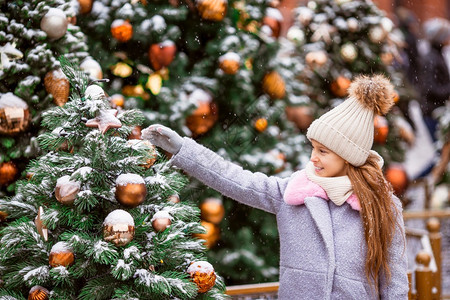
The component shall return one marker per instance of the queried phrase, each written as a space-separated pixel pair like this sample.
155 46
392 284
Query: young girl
340 226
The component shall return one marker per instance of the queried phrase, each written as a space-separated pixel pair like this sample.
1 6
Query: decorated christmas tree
99 216
211 70
32 36
338 40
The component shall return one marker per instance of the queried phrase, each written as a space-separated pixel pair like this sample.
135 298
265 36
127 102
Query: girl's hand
163 137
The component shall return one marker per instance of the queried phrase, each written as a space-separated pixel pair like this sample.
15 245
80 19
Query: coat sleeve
254 189
397 287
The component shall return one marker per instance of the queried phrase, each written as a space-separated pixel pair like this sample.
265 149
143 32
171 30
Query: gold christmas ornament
38 292
340 86
203 275
61 254
118 227
273 85
135 91
301 116
121 30
212 210
212 234
348 52
3 216
273 20
229 63
206 114
154 83
57 84
122 70
130 190
85 6
8 172
105 120
162 54
316 58
261 124
54 23
14 114
117 100
66 190
92 67
41 228
213 10
161 220
174 198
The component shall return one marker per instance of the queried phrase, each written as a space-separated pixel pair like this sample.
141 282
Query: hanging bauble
118 227
174 198
161 220
352 24
57 84
154 83
85 6
398 178
105 120
229 63
302 116
8 172
61 254
387 24
381 129
40 227
213 10
38 292
121 30
117 100
122 70
135 133
135 91
273 19
377 34
153 154
162 54
54 23
212 234
3 216
316 58
387 58
348 52
203 275
305 15
94 92
92 67
295 34
14 114
206 114
212 210
130 190
340 86
261 124
66 190
273 85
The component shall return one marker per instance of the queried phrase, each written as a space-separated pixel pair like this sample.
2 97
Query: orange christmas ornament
398 178
162 54
8 172
122 30
206 114
135 91
213 10
66 190
14 114
203 275
273 20
118 227
57 84
3 216
117 100
130 190
212 210
274 86
381 129
85 6
61 255
229 63
302 116
161 220
261 124
212 234
38 292
340 86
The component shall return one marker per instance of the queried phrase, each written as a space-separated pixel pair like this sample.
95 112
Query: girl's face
326 162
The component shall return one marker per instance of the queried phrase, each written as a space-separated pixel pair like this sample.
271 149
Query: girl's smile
326 162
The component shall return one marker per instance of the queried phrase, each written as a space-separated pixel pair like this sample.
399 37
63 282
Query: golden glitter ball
213 10
261 124
274 86
38 292
212 210
203 275
57 84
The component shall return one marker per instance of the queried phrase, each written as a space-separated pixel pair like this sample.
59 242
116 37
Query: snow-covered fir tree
211 70
99 216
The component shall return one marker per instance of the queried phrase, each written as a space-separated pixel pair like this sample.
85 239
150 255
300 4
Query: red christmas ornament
162 54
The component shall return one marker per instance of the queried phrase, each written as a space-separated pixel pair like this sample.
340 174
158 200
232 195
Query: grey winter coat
322 245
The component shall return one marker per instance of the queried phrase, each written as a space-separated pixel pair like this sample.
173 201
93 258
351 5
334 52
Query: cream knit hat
348 129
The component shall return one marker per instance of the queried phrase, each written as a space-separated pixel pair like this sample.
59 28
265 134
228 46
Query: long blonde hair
378 215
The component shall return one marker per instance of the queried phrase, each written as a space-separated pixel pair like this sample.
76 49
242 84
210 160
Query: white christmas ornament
353 24
295 34
92 67
348 52
94 92
305 15
387 24
54 23
377 34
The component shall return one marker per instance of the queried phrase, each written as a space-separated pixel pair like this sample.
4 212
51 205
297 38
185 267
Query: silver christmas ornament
54 23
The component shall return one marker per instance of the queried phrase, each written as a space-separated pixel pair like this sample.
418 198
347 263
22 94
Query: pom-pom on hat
347 129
